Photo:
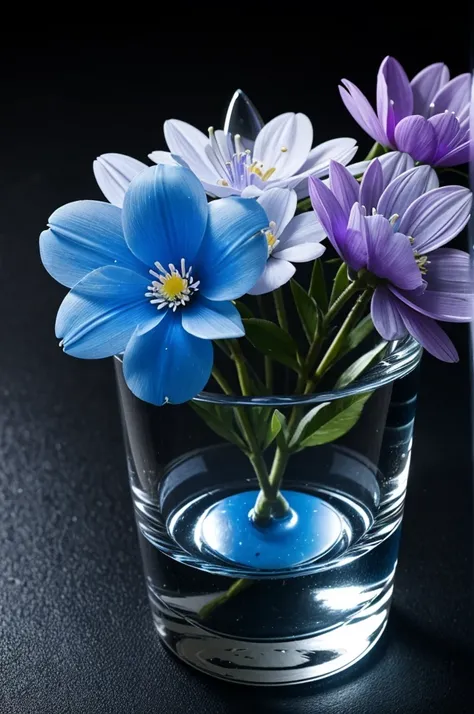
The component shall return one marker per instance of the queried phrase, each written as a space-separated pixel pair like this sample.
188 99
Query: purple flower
291 239
399 248
428 117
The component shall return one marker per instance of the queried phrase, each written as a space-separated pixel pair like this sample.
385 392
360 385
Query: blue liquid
310 530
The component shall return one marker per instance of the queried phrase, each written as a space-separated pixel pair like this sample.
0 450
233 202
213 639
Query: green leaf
220 420
277 423
317 286
357 335
307 310
244 310
271 340
282 432
328 421
360 365
341 282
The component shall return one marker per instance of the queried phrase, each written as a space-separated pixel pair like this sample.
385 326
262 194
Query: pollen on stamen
171 288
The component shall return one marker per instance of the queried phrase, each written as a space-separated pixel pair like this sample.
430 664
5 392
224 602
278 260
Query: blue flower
155 279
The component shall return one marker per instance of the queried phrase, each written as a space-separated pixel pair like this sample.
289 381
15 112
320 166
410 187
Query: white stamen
171 288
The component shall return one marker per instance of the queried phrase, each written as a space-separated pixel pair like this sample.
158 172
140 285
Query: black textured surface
76 634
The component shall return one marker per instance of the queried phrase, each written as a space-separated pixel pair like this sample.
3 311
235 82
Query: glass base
273 662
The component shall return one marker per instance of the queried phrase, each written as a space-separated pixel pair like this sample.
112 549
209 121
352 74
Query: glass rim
403 357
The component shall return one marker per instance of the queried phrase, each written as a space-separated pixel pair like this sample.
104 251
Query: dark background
75 631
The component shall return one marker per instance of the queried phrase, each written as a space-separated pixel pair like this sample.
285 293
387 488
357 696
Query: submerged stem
237 587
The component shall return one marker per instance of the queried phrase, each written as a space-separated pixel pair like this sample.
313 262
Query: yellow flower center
257 168
171 288
173 285
272 240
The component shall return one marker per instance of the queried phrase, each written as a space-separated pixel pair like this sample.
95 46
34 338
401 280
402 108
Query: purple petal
357 104
385 315
393 164
460 155
428 333
329 211
390 254
417 137
344 186
450 291
454 95
355 243
437 217
447 130
393 90
372 186
426 84
407 187
275 274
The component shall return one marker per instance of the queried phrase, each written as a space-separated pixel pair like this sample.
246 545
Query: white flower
280 155
290 239
277 154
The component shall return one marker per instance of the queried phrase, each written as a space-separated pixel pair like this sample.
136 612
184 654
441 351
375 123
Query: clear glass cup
315 609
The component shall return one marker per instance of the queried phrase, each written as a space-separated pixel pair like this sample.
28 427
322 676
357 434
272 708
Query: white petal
301 253
304 228
280 205
251 192
189 143
162 157
317 164
216 190
113 173
276 274
284 144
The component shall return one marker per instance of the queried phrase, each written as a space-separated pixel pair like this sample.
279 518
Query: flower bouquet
268 419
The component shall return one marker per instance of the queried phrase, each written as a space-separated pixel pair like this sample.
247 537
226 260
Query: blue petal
167 364
234 250
99 315
83 236
212 320
165 215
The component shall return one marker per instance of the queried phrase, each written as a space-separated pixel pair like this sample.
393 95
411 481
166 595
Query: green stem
280 309
339 303
221 380
376 150
452 170
306 385
237 587
270 501
267 361
340 338
303 205
255 455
